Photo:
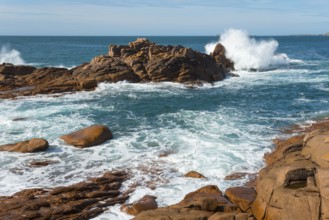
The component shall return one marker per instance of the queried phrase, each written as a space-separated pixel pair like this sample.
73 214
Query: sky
162 17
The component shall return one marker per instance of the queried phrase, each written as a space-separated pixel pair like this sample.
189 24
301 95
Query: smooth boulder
88 137
28 146
144 204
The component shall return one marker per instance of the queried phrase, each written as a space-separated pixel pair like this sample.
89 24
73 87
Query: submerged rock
139 61
29 146
88 137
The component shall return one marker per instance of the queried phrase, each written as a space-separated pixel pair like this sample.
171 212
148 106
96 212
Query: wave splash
13 56
249 54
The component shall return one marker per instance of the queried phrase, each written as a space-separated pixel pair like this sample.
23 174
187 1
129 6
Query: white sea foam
8 55
247 53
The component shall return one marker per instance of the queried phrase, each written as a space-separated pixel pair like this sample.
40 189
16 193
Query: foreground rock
87 137
139 61
295 183
144 204
205 203
79 201
29 146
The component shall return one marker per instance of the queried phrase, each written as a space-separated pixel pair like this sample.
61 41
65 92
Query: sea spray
249 54
8 55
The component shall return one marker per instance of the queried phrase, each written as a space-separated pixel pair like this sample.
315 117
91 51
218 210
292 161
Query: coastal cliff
139 61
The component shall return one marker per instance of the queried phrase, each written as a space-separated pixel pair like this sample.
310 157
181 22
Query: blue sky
162 17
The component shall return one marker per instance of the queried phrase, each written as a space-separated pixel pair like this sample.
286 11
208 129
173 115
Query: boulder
29 146
194 174
242 197
144 204
87 137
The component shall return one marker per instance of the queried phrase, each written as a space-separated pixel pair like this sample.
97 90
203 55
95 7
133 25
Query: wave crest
13 56
247 53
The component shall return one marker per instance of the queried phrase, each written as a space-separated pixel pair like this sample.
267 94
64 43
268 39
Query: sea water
214 129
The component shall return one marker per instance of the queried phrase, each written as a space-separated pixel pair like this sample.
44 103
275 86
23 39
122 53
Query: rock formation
139 61
83 200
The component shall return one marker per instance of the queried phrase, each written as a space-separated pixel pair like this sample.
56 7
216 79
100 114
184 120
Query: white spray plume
8 55
247 53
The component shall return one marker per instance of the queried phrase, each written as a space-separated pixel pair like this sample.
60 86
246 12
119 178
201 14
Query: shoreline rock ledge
139 61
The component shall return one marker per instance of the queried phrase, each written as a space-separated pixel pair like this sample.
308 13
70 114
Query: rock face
87 137
83 200
29 146
139 61
295 183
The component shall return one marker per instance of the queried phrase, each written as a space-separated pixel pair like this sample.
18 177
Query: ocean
215 129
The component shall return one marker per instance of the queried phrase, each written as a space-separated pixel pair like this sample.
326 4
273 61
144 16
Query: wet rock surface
29 146
139 61
79 201
88 137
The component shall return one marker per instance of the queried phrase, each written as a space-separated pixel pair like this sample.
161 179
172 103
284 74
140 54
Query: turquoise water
214 129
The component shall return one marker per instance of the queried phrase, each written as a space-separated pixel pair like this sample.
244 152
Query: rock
285 147
29 146
236 176
222 216
208 198
42 163
83 200
316 146
219 55
243 197
139 61
144 204
10 69
174 214
197 205
87 137
194 174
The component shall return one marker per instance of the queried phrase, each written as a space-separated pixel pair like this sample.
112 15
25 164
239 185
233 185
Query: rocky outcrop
88 137
29 146
139 61
295 183
83 200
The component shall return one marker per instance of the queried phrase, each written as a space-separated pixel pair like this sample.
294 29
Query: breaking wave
248 53
13 56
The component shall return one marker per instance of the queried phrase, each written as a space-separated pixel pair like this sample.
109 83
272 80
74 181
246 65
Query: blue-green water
214 129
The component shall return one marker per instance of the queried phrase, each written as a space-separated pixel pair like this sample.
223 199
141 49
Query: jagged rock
222 216
139 61
219 56
144 204
29 146
83 200
87 137
194 174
